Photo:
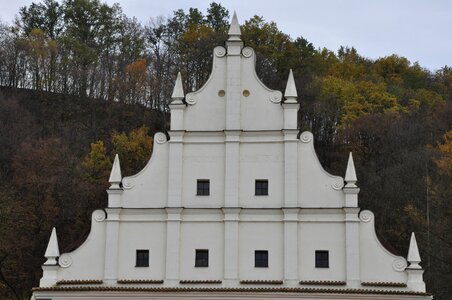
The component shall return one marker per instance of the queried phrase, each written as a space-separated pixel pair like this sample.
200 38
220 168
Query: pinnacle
178 91
115 175
413 253
52 251
291 89
234 29
350 174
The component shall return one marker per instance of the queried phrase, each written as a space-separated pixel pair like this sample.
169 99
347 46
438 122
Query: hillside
44 139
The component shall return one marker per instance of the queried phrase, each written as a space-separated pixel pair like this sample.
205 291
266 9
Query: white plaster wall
147 235
314 236
377 263
261 110
261 236
207 103
149 187
87 261
201 235
261 161
203 161
317 188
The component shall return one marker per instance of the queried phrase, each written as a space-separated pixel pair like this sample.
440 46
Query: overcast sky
420 30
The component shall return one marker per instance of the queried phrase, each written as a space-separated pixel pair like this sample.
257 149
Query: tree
134 150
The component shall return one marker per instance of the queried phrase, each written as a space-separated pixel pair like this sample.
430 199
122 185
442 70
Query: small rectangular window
203 187
322 259
142 258
202 258
261 259
261 187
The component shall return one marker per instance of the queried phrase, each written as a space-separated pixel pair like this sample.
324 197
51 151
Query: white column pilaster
233 84
49 276
114 197
176 148
415 280
232 168
177 116
352 261
173 244
111 245
231 243
290 168
291 244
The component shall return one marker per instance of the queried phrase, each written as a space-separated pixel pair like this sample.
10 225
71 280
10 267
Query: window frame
201 262
322 259
201 190
261 262
142 262
261 187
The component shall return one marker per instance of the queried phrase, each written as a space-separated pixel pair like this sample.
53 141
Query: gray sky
420 30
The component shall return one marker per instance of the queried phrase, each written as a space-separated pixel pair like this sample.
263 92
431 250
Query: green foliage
134 149
97 164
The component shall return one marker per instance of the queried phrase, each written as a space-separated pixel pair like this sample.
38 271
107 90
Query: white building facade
232 204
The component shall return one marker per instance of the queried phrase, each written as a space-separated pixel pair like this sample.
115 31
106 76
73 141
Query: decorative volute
52 251
234 29
413 254
115 175
178 91
350 174
291 90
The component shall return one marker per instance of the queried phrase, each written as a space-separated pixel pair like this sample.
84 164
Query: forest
81 81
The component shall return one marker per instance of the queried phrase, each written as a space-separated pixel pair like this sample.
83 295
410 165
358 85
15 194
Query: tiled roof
322 282
78 282
261 282
390 284
200 282
226 290
139 281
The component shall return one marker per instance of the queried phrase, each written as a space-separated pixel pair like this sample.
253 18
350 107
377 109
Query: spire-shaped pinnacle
413 254
291 89
234 29
350 174
178 91
115 175
52 251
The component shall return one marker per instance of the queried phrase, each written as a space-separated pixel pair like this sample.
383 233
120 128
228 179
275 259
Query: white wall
261 161
136 235
261 236
203 161
202 235
321 236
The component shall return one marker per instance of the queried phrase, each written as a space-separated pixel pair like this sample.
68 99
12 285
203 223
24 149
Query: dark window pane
261 187
203 187
322 259
261 259
142 258
202 258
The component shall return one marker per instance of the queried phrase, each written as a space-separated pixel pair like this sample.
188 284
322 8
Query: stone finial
291 89
115 175
234 29
52 251
413 254
350 174
178 91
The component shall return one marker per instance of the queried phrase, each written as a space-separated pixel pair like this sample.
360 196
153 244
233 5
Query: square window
322 259
142 259
203 187
261 259
202 258
261 187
